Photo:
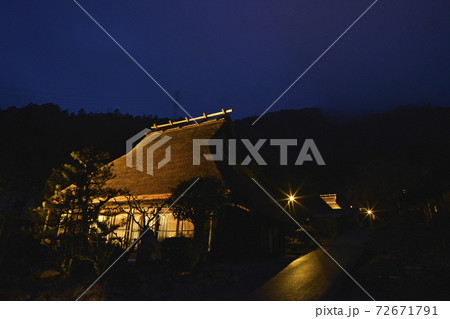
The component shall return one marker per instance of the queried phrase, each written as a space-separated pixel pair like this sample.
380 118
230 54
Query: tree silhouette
68 221
205 198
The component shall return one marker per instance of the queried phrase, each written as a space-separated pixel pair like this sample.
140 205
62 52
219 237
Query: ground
406 259
400 259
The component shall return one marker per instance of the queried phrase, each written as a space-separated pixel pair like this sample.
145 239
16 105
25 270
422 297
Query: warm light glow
291 199
369 212
330 199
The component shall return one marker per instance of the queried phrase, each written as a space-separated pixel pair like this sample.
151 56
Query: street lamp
371 216
290 199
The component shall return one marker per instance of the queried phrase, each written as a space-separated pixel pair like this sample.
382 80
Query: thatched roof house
252 226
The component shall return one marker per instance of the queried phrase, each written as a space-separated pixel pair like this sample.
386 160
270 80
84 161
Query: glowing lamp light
291 198
369 212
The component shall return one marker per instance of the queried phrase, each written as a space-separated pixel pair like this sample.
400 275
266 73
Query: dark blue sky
236 54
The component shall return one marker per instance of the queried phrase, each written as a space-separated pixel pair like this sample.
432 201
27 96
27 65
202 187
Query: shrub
180 253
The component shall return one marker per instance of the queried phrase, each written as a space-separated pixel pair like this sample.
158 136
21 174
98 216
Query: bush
180 253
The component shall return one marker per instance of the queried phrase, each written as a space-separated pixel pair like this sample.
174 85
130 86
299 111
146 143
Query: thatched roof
330 199
179 169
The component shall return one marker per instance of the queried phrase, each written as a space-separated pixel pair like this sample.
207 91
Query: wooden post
187 120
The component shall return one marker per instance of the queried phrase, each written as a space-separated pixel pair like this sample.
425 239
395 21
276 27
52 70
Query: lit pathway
315 276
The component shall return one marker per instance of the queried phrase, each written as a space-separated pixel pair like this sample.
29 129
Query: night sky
231 54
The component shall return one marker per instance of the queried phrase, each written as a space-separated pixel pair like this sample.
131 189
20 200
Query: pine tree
68 219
